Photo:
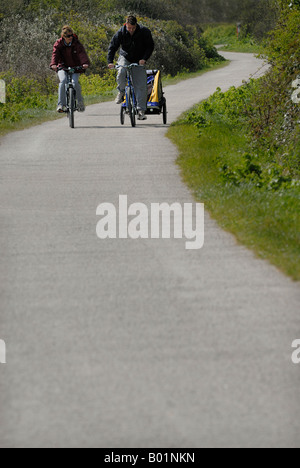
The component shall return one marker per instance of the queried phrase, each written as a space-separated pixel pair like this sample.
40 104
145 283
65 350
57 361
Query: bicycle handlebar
128 67
71 69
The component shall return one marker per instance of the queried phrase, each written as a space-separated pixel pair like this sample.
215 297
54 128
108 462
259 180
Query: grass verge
266 221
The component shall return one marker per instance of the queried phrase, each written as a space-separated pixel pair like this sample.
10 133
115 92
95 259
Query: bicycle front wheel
71 107
122 115
131 108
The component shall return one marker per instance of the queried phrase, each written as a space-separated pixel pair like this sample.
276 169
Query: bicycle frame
130 104
70 84
71 103
130 85
128 69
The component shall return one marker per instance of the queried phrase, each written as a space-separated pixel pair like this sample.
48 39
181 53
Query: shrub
179 49
25 45
270 162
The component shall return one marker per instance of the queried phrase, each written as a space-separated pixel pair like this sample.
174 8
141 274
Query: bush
95 85
226 35
275 117
179 49
23 94
266 163
258 17
95 35
25 45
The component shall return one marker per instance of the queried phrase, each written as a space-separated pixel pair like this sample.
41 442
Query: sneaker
120 98
81 107
60 109
142 115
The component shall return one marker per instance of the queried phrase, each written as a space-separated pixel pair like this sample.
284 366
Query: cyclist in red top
68 52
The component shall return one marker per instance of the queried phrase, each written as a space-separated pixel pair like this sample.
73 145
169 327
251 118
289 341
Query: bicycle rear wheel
165 112
71 107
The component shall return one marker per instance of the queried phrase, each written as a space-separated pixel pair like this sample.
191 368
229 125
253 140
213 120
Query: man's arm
114 47
149 45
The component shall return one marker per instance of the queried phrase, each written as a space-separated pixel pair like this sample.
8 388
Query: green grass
268 222
173 80
226 35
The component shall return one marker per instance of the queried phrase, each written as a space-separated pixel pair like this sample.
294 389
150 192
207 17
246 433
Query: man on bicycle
137 46
68 52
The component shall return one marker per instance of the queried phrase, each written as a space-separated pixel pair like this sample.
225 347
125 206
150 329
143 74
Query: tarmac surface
134 343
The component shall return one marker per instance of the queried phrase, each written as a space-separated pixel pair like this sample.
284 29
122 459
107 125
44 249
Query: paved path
124 343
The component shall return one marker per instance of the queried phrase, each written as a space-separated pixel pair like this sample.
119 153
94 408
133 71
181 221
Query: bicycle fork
71 85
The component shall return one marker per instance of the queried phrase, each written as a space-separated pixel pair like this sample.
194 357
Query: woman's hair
131 20
66 30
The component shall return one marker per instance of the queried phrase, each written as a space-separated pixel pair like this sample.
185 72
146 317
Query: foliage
275 117
179 49
258 17
230 107
255 13
95 85
24 45
96 36
24 96
265 163
226 35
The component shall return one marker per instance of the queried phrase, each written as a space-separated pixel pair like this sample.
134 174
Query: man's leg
63 79
122 79
122 74
139 76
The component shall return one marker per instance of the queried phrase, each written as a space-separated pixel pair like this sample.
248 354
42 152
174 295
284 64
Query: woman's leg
63 79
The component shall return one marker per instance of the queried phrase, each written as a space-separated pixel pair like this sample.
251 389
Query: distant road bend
124 343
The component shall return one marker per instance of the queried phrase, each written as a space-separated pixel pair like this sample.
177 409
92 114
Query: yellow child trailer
157 103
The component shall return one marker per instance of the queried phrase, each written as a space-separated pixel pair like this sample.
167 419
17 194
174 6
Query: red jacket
69 56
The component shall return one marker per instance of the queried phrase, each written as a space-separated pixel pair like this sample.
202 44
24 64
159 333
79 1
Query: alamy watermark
2 352
296 93
2 92
159 221
296 353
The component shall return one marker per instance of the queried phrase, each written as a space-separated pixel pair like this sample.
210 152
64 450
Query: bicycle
130 104
71 106
156 102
